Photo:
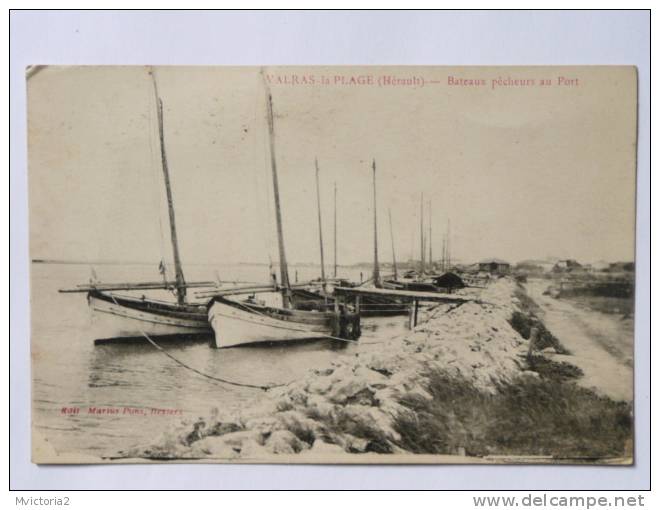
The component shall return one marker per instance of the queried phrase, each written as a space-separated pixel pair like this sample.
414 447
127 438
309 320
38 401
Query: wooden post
338 319
412 317
357 304
533 339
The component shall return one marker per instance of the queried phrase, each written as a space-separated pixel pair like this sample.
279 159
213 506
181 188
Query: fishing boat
236 323
382 305
444 283
322 296
128 318
428 280
242 323
371 305
378 305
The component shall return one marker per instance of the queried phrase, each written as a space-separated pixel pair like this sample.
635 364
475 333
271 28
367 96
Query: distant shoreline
134 263
208 264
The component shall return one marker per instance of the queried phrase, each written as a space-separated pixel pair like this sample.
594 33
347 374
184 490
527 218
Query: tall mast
396 276
334 273
284 271
318 203
180 280
421 232
448 244
444 253
376 275
412 242
430 239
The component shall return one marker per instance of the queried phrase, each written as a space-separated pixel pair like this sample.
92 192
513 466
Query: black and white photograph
367 264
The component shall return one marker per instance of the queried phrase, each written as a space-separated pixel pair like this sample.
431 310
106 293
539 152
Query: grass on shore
558 370
624 306
530 317
541 414
546 416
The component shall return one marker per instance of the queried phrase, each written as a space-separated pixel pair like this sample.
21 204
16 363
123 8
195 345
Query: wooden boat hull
371 306
236 324
393 285
380 306
122 318
414 286
444 283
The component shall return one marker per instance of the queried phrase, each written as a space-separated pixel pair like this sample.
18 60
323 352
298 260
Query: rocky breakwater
352 406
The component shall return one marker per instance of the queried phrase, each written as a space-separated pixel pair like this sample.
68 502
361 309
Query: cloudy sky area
521 172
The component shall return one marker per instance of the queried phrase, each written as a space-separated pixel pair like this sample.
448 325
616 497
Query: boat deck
411 295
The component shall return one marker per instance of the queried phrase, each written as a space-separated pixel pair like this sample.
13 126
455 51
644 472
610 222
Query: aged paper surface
476 301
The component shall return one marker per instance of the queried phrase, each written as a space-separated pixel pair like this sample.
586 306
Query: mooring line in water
225 381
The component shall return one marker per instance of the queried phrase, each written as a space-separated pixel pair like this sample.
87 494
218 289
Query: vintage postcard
332 264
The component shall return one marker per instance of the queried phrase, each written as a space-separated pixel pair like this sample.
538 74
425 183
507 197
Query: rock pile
351 405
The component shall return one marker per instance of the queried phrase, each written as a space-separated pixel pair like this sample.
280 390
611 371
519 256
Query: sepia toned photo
414 264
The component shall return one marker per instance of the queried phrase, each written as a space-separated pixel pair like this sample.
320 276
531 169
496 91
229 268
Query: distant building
534 266
567 266
618 267
600 265
495 266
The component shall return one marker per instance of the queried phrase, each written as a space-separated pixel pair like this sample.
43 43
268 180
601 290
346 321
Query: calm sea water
69 371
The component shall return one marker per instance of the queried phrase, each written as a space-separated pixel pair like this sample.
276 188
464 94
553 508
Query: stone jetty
351 405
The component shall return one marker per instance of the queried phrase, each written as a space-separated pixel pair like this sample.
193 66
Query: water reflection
69 370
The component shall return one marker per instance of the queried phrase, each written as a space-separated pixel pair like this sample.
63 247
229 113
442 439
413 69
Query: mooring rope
225 381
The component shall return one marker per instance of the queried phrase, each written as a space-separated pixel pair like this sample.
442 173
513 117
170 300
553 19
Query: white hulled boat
117 317
238 323
242 323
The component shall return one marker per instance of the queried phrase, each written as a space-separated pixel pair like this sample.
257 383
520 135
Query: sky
521 171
